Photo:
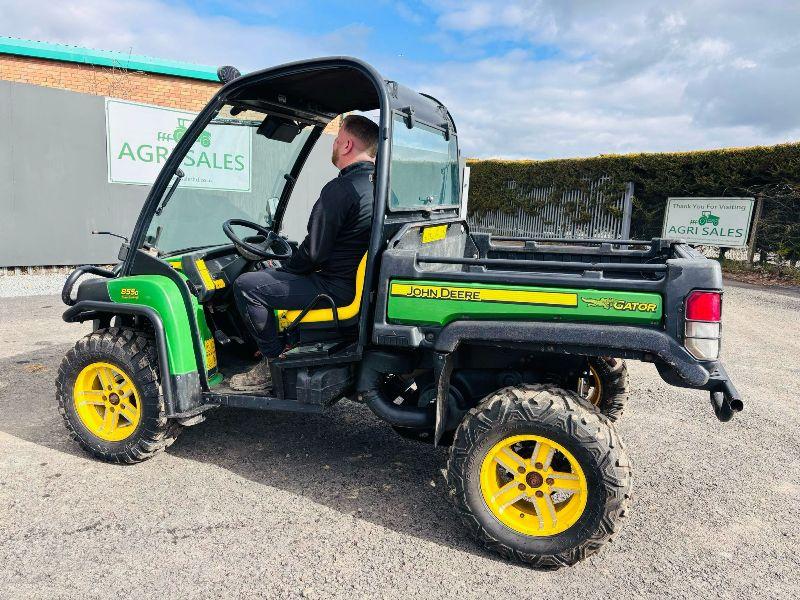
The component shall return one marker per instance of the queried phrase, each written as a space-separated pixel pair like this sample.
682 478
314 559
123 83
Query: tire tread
138 354
574 415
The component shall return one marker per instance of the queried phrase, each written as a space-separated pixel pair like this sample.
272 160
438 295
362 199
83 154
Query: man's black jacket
338 232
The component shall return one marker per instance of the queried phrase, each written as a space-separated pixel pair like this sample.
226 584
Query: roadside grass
762 274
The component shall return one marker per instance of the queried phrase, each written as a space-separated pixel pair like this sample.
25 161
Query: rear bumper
675 365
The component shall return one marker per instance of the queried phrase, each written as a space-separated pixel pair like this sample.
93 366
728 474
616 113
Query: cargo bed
623 298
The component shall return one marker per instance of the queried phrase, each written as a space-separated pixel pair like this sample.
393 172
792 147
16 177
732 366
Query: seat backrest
321 315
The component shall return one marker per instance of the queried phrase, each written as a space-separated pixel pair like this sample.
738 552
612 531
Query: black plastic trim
93 289
66 291
260 403
595 339
549 264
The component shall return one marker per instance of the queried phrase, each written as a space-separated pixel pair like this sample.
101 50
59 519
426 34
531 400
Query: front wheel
539 475
108 394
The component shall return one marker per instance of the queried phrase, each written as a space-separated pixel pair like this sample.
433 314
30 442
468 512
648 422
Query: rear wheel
109 396
539 476
604 383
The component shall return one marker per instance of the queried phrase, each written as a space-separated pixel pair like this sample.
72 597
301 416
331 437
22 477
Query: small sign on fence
721 222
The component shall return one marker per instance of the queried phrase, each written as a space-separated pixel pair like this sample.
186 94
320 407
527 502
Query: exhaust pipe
374 369
724 406
412 417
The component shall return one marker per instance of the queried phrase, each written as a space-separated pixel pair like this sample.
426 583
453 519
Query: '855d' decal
439 292
620 304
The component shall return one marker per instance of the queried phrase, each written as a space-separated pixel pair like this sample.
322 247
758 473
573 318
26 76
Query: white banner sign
709 221
140 137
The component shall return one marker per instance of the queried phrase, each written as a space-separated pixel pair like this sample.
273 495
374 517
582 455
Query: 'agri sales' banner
721 222
139 138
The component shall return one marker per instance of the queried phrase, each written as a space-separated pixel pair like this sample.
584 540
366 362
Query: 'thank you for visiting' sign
710 221
139 138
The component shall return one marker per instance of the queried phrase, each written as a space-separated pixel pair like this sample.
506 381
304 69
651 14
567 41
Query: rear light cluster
703 316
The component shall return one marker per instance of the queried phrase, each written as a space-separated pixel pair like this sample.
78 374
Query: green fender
162 295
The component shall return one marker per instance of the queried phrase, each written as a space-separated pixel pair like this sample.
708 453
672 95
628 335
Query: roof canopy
322 88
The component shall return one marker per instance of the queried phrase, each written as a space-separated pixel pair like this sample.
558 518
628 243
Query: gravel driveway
253 504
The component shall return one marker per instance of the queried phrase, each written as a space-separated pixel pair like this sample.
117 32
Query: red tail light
702 330
704 306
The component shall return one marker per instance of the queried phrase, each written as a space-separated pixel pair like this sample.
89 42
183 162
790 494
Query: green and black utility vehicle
496 347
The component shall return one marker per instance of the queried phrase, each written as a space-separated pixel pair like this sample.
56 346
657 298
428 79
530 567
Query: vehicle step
257 401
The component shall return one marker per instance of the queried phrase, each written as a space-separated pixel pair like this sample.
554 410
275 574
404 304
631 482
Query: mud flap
442 368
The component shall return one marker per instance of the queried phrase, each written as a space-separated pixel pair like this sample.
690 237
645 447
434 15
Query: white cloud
628 77
155 28
618 77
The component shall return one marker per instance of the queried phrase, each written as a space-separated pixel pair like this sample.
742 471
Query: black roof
321 88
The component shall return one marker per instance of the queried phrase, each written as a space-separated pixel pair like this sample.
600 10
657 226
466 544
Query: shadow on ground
347 460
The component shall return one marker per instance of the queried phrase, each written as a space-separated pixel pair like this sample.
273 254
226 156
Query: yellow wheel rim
107 402
591 386
533 485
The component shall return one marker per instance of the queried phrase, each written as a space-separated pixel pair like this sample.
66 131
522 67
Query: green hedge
768 172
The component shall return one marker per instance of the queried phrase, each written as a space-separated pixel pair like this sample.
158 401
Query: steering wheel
257 250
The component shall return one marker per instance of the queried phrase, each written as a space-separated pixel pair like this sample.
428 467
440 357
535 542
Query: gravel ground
14 286
278 505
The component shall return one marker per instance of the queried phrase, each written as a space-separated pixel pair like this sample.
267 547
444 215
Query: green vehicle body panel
161 294
425 302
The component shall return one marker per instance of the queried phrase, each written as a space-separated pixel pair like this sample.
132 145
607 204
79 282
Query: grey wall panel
54 186
58 190
6 172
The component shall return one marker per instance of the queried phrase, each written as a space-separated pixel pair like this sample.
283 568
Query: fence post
751 247
627 211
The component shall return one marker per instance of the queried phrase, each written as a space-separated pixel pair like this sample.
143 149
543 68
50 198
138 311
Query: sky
523 78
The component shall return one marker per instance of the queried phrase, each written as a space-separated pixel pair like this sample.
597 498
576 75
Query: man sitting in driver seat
326 261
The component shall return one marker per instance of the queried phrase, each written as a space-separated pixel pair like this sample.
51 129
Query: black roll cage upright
392 98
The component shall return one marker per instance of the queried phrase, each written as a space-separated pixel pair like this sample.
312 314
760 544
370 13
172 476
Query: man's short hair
365 130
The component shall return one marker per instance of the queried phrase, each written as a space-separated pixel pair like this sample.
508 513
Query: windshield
424 172
230 172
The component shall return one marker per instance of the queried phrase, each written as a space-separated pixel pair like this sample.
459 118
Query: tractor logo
707 217
619 304
180 131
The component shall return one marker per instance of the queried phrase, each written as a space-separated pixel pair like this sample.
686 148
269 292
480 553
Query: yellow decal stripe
204 274
211 354
431 234
483 295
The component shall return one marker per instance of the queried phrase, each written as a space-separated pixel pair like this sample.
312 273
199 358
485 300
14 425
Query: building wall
148 88
54 186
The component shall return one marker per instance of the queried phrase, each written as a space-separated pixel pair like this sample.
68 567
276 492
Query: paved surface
273 505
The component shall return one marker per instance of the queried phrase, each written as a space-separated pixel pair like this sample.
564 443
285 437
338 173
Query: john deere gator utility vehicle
496 347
